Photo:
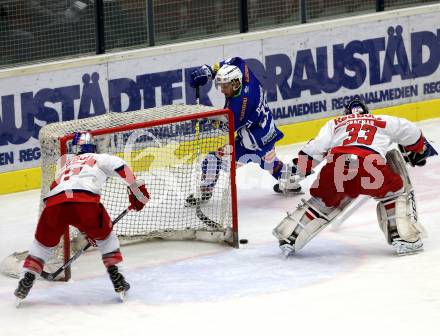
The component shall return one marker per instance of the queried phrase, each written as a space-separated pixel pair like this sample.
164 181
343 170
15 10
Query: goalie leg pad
397 214
299 227
397 217
397 163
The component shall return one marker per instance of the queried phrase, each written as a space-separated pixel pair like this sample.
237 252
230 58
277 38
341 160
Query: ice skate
291 191
287 249
288 183
121 286
24 286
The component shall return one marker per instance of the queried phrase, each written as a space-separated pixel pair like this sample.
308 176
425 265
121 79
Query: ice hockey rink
347 281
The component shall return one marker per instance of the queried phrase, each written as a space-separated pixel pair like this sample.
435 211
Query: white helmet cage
229 74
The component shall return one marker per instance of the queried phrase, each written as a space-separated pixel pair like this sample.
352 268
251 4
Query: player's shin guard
299 227
397 217
211 166
109 248
38 255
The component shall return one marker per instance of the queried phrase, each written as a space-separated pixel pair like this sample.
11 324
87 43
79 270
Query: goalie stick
52 276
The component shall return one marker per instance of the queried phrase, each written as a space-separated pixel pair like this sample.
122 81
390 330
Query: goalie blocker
396 213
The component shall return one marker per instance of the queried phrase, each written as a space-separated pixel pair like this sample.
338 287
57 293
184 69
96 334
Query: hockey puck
243 241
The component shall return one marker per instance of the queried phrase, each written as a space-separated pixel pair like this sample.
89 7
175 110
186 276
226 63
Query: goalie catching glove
138 195
415 158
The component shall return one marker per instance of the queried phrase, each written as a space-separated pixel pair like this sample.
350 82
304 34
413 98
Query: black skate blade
290 192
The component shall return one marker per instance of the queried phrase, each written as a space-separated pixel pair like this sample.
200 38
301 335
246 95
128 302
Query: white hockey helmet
229 74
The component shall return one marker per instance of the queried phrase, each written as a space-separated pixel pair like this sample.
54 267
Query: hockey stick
207 221
52 276
197 95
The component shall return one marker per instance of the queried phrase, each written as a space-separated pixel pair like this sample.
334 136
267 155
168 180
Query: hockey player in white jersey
74 199
358 162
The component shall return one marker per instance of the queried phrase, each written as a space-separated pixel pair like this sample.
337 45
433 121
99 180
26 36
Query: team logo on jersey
246 89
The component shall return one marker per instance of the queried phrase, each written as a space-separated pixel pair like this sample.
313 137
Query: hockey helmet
356 106
83 142
229 74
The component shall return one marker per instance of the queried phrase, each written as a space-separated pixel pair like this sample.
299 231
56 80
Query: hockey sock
276 168
211 166
112 258
33 264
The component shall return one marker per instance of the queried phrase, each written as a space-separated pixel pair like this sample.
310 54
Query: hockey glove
417 159
138 195
303 165
414 158
199 77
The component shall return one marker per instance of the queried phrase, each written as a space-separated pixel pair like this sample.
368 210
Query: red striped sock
112 258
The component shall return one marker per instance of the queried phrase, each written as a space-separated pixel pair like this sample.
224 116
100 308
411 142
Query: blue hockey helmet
356 106
83 142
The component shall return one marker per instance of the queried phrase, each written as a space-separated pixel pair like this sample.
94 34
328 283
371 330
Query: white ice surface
345 282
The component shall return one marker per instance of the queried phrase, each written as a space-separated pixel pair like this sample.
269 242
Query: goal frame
165 121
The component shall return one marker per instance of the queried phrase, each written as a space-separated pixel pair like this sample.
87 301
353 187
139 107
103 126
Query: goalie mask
356 106
229 74
83 142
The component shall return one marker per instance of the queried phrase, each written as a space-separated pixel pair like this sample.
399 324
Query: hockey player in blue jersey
253 123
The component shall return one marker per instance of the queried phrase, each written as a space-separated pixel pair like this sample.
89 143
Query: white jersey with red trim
86 172
362 134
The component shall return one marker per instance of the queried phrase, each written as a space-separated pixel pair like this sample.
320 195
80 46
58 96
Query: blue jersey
252 114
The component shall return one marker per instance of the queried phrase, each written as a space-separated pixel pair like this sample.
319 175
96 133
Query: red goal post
164 146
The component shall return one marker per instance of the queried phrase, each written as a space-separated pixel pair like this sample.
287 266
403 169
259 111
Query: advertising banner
307 75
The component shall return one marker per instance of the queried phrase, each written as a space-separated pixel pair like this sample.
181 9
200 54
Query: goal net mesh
165 147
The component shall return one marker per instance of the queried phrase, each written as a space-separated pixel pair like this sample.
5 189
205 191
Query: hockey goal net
165 147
